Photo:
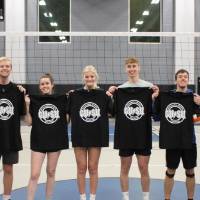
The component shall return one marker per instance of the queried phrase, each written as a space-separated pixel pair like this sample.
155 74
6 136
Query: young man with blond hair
11 108
132 68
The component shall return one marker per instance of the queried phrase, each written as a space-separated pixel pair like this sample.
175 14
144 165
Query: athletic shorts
46 151
10 158
131 152
188 156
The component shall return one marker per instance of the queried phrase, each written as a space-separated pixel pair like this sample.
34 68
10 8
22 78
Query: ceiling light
62 37
54 24
139 22
42 3
49 14
134 30
155 1
64 41
146 12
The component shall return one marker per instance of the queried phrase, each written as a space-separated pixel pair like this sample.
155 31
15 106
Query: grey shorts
10 158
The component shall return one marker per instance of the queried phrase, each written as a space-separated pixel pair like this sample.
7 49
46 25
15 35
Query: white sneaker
125 197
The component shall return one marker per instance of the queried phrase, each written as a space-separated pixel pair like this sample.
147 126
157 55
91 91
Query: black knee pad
169 175
189 175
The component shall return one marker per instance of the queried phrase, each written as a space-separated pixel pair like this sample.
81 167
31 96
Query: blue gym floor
108 189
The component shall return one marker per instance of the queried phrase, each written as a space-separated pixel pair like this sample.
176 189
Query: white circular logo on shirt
6 109
89 112
48 113
134 110
175 113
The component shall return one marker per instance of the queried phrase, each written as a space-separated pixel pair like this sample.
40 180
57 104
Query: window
144 17
54 15
1 10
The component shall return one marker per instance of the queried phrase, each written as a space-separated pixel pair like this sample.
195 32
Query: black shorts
131 152
188 156
10 158
46 151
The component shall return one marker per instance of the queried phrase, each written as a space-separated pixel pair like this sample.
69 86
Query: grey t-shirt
139 83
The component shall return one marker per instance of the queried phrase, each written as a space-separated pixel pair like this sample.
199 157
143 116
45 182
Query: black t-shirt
49 124
12 106
133 126
176 111
89 110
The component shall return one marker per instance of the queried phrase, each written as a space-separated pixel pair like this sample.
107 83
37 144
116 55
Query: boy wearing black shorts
11 108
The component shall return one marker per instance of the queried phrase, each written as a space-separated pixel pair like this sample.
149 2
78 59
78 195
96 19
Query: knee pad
189 175
169 175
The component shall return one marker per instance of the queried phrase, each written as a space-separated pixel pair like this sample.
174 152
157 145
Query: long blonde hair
91 68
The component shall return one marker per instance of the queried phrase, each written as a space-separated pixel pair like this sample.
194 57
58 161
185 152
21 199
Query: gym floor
109 168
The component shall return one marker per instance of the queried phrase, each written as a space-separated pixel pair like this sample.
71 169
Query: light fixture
1 14
134 30
49 14
64 41
42 3
62 37
54 24
145 13
139 22
155 1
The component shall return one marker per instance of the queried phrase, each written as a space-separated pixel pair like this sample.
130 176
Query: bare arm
27 117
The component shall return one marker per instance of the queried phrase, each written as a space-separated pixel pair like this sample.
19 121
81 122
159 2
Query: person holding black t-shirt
136 91
175 111
88 110
12 106
47 113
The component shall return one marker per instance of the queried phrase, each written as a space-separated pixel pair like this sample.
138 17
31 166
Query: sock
125 195
145 195
92 196
82 196
6 197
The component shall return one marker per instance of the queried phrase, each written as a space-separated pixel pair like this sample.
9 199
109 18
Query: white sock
6 197
145 195
125 195
92 196
82 196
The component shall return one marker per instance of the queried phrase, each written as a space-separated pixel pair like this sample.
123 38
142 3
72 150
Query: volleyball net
64 54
